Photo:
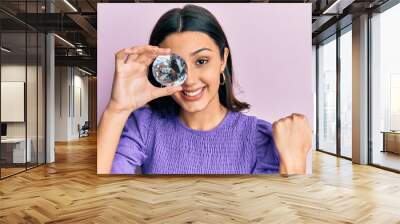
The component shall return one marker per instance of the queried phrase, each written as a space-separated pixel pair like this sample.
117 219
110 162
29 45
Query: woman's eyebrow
201 49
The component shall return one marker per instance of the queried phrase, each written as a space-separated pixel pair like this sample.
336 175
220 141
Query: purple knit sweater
240 144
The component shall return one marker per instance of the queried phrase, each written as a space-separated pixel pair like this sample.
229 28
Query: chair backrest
86 124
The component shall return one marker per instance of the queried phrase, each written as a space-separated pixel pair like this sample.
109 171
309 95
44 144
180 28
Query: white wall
80 84
15 72
62 81
70 83
33 127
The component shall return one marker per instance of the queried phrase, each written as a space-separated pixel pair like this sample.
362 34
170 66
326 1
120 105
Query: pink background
270 45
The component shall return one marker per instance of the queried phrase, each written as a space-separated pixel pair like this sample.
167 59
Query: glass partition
22 88
346 93
385 89
327 96
14 154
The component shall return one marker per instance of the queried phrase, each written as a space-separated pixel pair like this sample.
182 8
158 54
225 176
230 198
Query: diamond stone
169 70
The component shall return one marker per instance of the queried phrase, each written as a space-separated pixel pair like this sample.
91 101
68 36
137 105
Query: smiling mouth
192 95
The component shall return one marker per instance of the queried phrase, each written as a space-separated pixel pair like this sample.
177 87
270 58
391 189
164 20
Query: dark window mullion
26 87
338 92
37 91
369 90
317 96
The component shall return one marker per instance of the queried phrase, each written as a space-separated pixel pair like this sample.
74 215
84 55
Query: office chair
84 130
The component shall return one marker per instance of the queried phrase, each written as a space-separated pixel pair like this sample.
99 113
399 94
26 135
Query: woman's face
204 64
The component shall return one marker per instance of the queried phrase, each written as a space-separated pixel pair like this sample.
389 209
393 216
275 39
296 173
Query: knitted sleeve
266 152
131 148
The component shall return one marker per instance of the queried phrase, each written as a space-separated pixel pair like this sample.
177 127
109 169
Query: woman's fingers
138 50
120 56
145 59
166 91
145 54
293 140
150 49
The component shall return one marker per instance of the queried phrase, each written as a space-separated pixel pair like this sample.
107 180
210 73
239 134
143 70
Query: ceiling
76 22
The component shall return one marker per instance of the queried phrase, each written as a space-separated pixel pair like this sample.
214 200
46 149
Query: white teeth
192 93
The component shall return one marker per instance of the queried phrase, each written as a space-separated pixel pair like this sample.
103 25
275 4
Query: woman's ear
225 59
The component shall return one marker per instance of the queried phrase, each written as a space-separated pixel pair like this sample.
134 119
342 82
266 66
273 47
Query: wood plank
70 191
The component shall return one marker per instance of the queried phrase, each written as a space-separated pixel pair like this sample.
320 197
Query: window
22 76
346 93
327 96
385 88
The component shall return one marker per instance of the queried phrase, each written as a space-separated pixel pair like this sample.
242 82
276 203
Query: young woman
198 127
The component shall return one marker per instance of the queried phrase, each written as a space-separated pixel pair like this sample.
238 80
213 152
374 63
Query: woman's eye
201 61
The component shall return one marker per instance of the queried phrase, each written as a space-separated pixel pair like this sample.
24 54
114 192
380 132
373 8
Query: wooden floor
69 191
388 159
5 172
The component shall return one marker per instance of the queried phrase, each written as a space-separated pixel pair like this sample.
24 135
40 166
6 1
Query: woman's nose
191 77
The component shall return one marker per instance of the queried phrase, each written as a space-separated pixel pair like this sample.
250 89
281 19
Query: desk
391 141
15 148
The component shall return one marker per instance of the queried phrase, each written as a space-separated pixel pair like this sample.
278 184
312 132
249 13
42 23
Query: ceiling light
337 7
70 5
84 71
65 41
5 50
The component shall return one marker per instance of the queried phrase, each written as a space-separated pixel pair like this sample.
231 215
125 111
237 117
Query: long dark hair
194 18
